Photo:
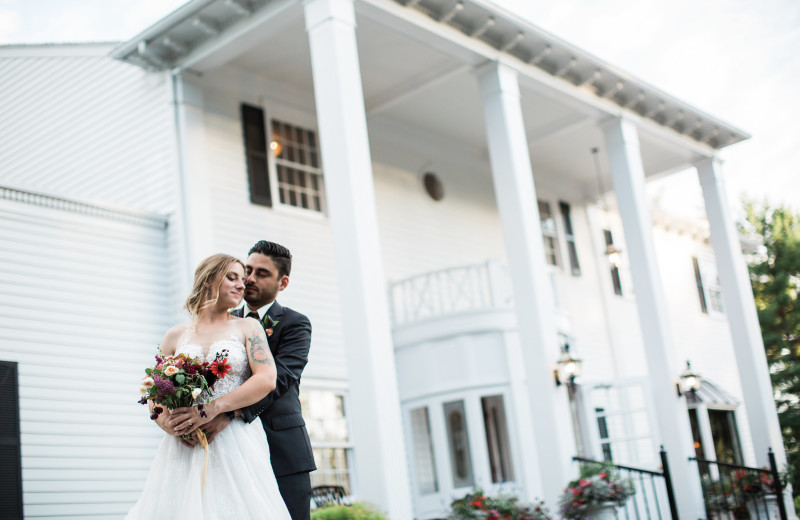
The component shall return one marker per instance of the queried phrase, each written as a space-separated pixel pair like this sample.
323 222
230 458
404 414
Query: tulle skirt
240 483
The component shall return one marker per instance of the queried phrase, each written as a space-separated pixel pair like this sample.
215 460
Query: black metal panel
10 454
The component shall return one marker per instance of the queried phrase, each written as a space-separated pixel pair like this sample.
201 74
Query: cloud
10 24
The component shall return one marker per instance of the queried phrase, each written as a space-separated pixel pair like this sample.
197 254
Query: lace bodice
237 359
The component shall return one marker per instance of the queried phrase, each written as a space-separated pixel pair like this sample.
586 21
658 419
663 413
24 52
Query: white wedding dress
240 483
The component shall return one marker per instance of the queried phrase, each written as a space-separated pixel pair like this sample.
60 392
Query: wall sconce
688 381
567 368
614 255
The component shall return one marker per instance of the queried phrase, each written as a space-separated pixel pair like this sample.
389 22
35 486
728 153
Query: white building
399 150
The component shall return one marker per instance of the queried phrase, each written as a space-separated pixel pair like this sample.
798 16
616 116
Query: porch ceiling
417 65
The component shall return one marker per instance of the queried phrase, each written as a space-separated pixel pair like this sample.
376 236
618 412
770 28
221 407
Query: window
549 233
725 436
10 454
298 166
326 421
614 259
709 289
602 429
295 156
423 451
494 422
458 441
572 250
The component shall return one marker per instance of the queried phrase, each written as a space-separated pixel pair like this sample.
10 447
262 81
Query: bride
239 480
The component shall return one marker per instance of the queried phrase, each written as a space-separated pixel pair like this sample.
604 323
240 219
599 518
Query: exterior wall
79 124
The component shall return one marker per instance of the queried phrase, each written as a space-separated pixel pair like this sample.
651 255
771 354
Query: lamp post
567 368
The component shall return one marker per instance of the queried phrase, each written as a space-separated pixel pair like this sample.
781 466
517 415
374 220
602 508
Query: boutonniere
269 324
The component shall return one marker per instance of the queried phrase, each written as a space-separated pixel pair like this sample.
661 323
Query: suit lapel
238 312
274 313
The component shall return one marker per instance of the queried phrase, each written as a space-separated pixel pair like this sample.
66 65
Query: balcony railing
451 291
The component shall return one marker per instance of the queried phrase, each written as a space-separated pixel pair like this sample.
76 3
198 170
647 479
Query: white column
533 297
193 167
377 433
672 418
740 308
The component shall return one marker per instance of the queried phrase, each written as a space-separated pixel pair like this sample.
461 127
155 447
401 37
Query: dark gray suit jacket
281 417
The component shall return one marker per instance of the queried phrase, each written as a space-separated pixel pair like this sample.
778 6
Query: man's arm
290 360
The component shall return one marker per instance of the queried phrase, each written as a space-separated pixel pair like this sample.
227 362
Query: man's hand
216 425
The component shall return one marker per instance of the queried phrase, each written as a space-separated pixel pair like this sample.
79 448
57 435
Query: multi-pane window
298 166
423 451
709 289
326 422
292 152
569 235
549 233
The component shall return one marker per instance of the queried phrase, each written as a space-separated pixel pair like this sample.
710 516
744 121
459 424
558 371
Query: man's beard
259 298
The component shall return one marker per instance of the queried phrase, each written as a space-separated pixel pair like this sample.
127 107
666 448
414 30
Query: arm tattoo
259 351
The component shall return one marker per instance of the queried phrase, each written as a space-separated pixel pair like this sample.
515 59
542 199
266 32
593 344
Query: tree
775 275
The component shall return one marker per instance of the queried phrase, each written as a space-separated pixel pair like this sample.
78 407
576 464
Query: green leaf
180 378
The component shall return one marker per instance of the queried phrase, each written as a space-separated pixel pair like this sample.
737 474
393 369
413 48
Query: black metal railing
653 497
732 492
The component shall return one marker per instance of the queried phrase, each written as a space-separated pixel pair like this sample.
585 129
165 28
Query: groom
289 336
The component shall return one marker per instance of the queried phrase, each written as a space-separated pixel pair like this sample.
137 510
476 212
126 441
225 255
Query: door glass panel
725 436
458 441
423 451
494 422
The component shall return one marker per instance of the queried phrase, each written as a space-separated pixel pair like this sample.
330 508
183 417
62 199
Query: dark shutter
10 457
699 280
616 281
570 236
255 146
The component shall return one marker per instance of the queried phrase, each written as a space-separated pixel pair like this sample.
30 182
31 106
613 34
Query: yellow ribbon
204 442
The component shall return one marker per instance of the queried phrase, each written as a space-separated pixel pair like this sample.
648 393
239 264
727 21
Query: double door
457 442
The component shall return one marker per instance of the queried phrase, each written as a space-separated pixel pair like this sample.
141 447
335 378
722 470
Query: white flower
147 382
196 392
171 370
142 389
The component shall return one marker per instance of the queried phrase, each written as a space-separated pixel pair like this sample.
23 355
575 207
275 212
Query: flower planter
602 511
764 508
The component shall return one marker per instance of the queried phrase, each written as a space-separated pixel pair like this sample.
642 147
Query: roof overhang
206 33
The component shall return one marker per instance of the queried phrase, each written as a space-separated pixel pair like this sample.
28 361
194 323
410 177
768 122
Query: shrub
357 511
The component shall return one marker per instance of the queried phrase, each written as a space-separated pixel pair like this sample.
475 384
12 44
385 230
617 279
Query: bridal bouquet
178 381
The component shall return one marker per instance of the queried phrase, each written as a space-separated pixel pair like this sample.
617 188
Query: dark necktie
253 314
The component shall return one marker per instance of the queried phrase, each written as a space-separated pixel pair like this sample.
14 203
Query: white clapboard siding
239 224
79 124
84 303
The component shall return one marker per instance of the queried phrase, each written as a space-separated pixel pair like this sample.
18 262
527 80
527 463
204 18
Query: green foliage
477 506
357 511
775 276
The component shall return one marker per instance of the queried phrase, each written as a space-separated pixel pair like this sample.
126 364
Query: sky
738 60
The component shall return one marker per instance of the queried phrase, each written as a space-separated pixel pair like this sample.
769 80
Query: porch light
276 148
567 368
614 255
688 381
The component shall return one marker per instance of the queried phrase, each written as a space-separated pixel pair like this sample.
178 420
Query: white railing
455 290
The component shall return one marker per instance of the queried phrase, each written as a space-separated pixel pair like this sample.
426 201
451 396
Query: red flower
269 332
220 368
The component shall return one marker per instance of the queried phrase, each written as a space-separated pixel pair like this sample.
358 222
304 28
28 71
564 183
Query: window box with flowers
596 494
477 506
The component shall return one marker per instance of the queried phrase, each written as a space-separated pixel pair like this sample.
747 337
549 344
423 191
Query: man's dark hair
279 254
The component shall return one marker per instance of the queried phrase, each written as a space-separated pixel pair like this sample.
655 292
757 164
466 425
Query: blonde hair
210 271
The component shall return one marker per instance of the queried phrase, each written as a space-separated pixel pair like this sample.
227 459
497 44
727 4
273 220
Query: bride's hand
186 420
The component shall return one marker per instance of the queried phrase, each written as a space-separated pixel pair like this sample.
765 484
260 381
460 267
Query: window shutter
10 457
255 145
700 291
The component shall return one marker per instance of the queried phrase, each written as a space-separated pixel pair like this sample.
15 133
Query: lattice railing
450 291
